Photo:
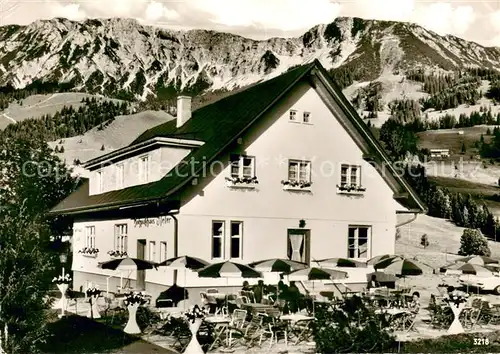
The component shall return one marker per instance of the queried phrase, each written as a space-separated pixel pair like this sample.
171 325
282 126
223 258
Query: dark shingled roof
217 124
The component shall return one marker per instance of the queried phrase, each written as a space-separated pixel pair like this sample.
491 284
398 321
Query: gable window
293 115
120 176
90 237
306 117
163 251
152 251
350 175
144 169
358 242
299 171
242 166
217 239
236 239
100 181
121 238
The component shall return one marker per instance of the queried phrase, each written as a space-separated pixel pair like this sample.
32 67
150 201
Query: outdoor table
194 346
254 308
132 327
221 324
456 326
166 312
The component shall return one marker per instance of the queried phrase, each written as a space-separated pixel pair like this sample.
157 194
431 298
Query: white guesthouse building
285 168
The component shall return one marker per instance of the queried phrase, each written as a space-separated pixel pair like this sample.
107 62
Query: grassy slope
38 105
472 176
119 133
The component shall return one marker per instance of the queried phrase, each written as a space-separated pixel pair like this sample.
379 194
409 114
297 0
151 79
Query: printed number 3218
481 341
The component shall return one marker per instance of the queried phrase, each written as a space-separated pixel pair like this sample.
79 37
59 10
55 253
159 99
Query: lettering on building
148 222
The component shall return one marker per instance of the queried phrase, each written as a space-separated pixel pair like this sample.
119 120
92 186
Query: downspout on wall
176 240
412 219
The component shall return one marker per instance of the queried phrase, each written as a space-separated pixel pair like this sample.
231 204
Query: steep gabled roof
219 125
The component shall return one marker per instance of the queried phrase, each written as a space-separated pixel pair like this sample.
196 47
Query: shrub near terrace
351 328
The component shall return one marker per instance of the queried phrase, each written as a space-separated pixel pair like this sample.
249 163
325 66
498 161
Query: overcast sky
470 19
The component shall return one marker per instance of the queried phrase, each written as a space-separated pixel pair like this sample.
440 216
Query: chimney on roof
183 110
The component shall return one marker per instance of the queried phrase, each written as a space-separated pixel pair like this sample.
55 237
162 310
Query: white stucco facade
266 212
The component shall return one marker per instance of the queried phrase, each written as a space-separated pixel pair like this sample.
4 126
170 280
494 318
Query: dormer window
144 169
100 181
306 117
293 115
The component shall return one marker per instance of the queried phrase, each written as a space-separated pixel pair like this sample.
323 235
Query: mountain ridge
121 57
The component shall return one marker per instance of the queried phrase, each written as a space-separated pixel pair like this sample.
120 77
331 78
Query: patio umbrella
468 268
314 273
277 265
184 262
378 259
228 270
341 263
480 260
402 267
383 263
128 263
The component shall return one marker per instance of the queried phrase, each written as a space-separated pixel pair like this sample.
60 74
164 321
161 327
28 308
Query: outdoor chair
276 325
209 302
302 330
182 337
493 314
408 321
254 330
476 312
238 320
272 327
441 316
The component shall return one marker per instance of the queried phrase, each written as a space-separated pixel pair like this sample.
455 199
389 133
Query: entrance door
299 245
141 274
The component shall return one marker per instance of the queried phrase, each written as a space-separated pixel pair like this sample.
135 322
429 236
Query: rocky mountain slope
120 57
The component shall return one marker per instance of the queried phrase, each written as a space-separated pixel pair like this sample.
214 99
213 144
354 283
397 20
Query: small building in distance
440 153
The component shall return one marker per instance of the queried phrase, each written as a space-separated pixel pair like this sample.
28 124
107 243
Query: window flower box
117 254
350 189
296 185
90 252
241 182
62 279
